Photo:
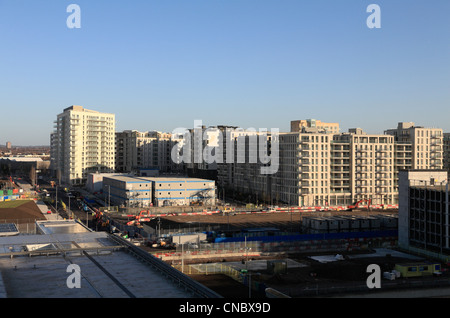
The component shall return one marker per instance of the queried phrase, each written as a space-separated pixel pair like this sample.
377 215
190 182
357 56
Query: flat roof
156 179
61 227
126 178
37 266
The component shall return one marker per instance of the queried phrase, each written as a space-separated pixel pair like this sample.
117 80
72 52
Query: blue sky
161 64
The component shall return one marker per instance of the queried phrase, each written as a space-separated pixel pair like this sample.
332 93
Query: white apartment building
83 142
426 144
320 169
245 154
317 168
141 150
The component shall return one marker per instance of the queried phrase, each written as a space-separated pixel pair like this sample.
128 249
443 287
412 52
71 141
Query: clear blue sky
161 64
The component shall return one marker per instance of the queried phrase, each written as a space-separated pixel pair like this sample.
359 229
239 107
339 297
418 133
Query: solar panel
8 229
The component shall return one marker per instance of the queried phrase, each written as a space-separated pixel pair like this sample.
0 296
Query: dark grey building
424 210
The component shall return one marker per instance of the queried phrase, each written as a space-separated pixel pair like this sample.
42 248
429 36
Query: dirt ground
279 220
21 214
313 275
225 286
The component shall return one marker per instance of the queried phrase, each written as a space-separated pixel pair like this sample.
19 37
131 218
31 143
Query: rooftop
130 178
37 266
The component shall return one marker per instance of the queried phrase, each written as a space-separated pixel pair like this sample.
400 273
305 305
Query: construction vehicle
144 216
356 205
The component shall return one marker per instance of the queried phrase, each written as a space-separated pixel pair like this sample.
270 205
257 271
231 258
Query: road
74 208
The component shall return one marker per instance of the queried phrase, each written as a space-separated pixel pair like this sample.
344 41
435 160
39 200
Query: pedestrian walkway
44 209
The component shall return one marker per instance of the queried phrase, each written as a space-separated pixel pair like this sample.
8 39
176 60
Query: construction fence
24 226
250 249
220 268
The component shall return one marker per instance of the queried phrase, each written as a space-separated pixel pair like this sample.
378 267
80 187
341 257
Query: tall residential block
424 146
139 150
245 154
83 142
318 167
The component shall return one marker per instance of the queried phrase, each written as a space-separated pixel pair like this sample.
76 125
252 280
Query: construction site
277 252
265 253
228 251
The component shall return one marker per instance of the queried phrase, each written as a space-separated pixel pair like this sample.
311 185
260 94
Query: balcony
340 177
304 163
304 169
382 163
381 189
435 149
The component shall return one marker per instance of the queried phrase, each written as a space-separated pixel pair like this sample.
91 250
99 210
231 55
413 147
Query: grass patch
12 204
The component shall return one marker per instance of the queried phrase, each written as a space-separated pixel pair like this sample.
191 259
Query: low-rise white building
136 191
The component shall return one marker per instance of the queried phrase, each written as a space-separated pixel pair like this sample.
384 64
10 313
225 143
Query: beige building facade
317 168
140 150
426 145
83 142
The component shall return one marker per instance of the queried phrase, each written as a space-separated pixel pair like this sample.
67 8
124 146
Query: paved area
109 273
